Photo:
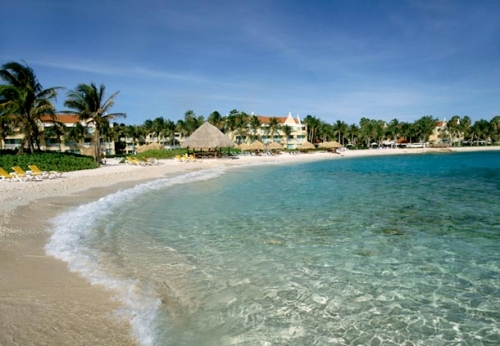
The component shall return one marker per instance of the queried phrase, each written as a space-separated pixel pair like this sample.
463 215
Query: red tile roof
265 120
63 118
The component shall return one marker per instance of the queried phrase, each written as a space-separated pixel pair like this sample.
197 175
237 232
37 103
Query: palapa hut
244 147
207 137
331 145
150 146
274 146
307 146
257 145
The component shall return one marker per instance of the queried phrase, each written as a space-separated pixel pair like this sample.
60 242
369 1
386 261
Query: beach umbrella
244 146
307 145
150 146
330 145
274 146
207 136
257 145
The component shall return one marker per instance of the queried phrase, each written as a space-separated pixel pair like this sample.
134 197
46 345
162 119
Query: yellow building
297 136
50 142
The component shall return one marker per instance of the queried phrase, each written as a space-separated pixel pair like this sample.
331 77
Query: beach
41 301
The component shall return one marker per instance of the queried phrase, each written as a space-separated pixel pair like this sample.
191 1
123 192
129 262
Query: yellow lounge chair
4 175
45 174
131 161
193 158
21 173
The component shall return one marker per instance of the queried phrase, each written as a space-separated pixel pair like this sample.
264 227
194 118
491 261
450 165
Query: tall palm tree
353 133
340 128
273 127
495 128
88 103
287 132
312 123
255 125
24 98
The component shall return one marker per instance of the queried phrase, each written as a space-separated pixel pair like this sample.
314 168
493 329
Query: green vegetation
87 102
47 161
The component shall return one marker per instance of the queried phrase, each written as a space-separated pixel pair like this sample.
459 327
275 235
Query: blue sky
336 60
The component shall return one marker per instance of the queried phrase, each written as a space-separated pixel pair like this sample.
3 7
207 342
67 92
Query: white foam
72 228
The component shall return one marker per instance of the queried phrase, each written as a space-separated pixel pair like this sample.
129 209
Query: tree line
23 102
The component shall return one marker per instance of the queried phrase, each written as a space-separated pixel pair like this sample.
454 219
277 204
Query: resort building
290 132
55 136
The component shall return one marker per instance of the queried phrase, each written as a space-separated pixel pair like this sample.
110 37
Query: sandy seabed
41 301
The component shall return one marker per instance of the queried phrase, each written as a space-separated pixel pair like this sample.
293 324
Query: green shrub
48 161
162 153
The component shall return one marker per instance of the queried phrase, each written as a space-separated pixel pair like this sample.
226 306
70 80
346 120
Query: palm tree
87 101
24 98
495 126
273 127
453 127
6 128
75 135
340 128
216 119
425 126
287 131
312 124
353 133
255 125
57 130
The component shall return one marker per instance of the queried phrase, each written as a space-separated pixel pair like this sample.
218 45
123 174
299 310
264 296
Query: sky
333 59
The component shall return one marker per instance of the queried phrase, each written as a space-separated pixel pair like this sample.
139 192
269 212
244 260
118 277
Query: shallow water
396 250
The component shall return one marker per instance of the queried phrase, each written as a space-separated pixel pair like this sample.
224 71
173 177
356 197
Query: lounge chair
4 175
192 158
131 161
22 174
45 174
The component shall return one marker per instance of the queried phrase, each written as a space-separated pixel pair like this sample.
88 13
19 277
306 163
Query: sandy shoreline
41 302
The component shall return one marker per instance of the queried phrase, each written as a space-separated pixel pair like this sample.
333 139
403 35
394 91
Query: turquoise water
395 250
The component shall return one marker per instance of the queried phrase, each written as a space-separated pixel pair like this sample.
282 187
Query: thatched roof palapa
244 146
307 145
207 136
150 146
257 145
274 146
330 145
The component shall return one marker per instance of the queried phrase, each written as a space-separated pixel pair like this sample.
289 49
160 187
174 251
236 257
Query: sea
386 250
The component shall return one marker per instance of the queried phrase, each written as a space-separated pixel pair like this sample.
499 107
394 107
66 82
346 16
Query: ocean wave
71 229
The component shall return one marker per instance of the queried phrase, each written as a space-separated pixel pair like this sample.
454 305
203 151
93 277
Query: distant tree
425 126
57 130
255 125
273 127
24 99
287 132
6 128
453 128
87 101
216 119
340 128
75 134
495 126
312 123
353 133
